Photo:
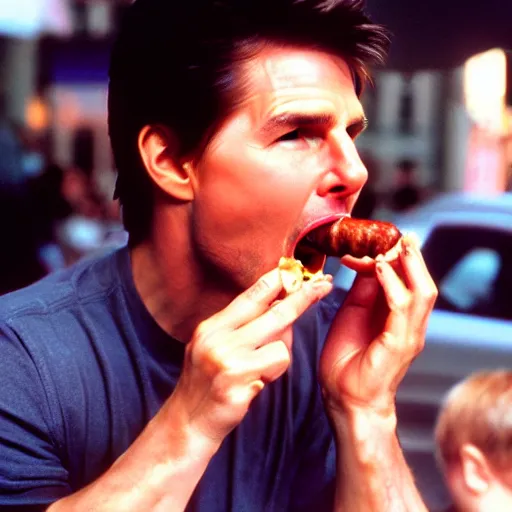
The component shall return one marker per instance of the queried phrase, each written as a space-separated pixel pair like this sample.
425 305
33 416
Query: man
473 438
407 193
167 375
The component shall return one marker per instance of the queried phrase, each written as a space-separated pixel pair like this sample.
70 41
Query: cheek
258 184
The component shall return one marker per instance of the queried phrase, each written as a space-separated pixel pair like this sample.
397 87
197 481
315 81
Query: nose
346 173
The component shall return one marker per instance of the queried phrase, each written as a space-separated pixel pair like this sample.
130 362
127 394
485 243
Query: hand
378 332
233 354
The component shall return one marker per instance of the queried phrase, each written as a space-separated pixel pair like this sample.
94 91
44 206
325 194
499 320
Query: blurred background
438 151
56 169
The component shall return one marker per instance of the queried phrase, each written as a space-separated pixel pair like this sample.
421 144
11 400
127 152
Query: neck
172 284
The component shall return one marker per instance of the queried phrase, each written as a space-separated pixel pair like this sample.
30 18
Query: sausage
355 237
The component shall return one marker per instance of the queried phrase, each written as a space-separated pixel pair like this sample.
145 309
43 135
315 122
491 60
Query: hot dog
347 236
354 237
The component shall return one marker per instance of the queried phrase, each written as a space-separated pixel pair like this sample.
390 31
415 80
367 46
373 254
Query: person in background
50 208
177 373
20 264
473 438
407 192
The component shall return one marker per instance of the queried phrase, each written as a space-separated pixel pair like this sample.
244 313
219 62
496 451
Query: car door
470 328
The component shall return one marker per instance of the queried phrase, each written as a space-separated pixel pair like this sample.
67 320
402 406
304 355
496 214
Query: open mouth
311 258
308 250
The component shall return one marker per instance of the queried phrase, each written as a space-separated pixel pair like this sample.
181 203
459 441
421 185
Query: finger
411 242
359 265
398 299
420 283
250 304
271 324
271 361
367 264
394 253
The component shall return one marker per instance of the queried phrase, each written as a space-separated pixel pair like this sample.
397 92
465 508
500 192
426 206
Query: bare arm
375 336
158 472
229 360
372 473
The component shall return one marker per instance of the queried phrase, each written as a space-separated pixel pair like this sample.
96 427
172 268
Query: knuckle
433 293
281 313
218 362
281 353
259 289
202 332
239 396
429 294
389 341
212 361
401 304
418 345
279 362
312 292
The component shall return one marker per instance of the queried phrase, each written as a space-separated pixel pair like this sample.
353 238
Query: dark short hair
174 63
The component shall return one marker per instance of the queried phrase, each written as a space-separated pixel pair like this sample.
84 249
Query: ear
475 469
158 149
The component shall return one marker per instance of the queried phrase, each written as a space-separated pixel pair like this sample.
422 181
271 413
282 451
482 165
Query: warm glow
485 83
37 116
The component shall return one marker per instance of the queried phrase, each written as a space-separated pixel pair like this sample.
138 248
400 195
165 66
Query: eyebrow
298 120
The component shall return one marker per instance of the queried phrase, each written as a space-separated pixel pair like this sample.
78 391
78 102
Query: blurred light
485 84
37 116
29 18
68 111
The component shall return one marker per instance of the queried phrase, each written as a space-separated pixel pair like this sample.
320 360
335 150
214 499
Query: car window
471 269
470 281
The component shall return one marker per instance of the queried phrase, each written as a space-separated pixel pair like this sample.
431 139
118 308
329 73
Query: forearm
372 473
158 472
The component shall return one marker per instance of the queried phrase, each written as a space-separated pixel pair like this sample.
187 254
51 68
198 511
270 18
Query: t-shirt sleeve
32 474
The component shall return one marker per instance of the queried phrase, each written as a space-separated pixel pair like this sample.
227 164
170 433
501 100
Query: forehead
278 77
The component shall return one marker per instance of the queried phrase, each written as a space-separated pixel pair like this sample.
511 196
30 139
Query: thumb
354 325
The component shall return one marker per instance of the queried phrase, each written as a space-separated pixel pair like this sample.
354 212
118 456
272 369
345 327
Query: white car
467 244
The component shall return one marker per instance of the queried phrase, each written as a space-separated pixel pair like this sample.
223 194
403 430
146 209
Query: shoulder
55 324
57 292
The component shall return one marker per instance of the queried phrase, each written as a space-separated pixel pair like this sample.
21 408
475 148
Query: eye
293 135
353 132
356 129
302 138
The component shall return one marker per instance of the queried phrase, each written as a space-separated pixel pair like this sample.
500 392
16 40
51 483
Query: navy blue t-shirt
84 367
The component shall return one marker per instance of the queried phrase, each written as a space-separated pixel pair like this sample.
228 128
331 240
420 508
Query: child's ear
158 150
475 469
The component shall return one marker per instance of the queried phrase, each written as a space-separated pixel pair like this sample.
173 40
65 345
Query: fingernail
320 285
320 277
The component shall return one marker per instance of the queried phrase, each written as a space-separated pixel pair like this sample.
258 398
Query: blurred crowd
50 216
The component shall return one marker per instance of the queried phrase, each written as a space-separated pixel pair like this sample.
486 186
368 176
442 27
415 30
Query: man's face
284 162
